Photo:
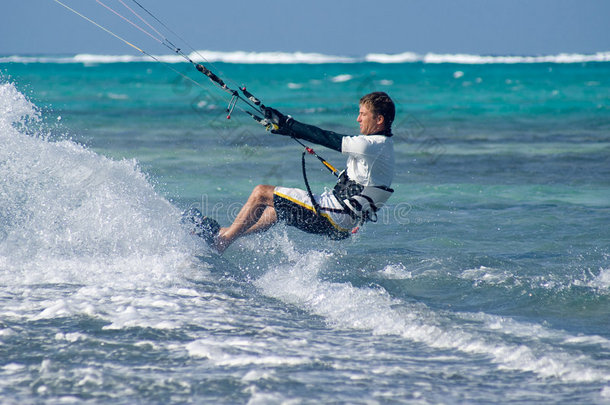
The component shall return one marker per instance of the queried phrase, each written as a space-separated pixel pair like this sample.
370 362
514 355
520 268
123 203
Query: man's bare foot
220 242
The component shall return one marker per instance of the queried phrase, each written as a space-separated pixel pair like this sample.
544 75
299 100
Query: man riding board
360 191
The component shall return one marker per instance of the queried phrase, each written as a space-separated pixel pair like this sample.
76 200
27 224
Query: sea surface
485 280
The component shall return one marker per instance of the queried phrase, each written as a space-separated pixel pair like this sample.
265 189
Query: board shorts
293 206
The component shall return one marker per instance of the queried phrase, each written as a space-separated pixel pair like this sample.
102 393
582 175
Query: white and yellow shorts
293 206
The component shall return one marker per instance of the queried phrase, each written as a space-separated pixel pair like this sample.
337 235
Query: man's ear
380 119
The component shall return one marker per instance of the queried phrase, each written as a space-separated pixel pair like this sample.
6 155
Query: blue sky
337 27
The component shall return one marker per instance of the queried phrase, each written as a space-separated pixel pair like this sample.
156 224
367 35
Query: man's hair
380 104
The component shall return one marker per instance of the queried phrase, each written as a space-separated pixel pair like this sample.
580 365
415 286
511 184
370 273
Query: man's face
369 122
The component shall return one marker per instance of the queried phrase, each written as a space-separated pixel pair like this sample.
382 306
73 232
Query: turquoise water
486 280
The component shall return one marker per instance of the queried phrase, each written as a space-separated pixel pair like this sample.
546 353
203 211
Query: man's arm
286 125
317 135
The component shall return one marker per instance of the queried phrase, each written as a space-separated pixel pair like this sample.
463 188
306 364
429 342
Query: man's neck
384 131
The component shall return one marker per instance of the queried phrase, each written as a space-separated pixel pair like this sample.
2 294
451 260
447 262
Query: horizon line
297 57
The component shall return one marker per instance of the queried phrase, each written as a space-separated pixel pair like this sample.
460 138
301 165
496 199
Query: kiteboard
205 227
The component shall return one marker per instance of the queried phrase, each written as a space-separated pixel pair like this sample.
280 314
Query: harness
359 202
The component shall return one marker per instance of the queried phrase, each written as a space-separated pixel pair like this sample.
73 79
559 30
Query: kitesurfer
360 191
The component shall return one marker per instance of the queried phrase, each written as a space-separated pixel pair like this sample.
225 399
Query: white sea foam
509 326
405 57
240 352
602 281
117 96
197 56
346 306
70 337
486 275
70 215
265 398
396 272
312 58
267 57
472 59
458 74
342 78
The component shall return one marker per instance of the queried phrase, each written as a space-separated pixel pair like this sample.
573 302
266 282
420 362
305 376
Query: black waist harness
360 202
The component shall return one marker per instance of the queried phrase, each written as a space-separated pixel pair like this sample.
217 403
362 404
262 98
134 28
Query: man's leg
265 222
256 215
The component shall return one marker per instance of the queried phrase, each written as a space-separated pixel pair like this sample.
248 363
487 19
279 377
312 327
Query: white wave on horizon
197 56
268 57
468 59
311 58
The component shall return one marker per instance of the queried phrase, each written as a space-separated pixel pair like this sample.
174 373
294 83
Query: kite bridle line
245 96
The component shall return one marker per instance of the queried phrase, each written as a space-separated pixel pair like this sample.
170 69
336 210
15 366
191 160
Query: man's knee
263 193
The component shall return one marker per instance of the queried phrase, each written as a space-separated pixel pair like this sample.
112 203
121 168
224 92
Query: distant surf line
244 57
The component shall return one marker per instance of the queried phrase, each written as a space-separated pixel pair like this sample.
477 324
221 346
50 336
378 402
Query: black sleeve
317 135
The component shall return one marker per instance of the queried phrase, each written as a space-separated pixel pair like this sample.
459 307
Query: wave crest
68 214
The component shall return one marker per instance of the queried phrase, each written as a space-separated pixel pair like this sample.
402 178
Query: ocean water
485 280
